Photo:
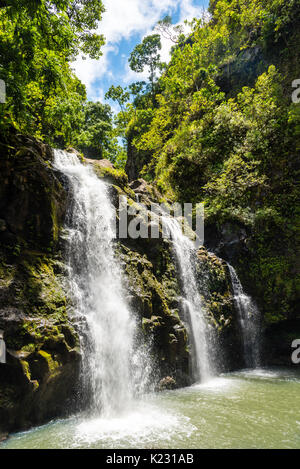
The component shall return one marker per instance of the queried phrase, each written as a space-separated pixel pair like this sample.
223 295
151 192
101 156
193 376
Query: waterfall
249 317
113 366
185 255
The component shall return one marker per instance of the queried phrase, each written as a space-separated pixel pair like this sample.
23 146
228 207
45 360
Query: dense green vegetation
38 41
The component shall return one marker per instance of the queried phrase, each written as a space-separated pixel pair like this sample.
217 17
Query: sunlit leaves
38 39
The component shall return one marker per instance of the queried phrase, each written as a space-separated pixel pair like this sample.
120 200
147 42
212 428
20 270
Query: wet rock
40 378
153 288
228 241
32 199
167 383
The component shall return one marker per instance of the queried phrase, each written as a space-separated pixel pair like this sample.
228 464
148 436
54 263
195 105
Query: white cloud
88 70
123 19
98 96
187 12
126 17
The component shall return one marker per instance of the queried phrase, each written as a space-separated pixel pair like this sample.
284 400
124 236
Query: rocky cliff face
41 377
267 268
155 289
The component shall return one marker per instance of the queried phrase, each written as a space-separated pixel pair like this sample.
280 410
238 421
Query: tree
38 41
117 93
95 136
147 54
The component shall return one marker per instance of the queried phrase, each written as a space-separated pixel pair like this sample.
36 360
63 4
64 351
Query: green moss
41 292
26 369
7 273
35 384
272 275
28 348
125 191
149 291
115 176
149 325
53 366
214 278
33 287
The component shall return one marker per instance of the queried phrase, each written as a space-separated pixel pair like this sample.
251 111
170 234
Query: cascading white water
111 364
185 255
249 317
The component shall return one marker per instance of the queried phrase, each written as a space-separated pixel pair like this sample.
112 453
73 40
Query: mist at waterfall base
248 409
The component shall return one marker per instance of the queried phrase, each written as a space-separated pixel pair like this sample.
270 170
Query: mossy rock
152 287
32 198
115 176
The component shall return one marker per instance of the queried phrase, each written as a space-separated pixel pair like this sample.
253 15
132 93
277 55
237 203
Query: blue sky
124 25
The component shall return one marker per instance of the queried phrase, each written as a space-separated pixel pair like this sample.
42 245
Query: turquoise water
246 409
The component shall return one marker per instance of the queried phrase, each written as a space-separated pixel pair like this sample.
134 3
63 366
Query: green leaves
117 93
94 138
146 55
38 40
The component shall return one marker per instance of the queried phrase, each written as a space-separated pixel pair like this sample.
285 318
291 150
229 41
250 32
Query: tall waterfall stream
249 318
113 365
202 369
